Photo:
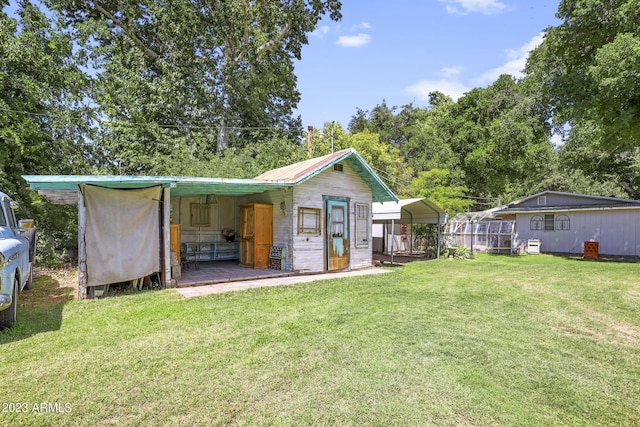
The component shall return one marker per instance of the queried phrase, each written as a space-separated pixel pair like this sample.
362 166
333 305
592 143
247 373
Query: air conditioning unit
533 246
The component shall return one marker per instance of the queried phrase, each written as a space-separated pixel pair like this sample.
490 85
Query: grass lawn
533 340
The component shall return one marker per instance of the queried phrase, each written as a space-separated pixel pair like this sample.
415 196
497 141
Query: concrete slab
218 288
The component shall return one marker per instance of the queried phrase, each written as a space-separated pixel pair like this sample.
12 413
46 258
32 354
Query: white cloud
320 31
361 26
452 85
448 84
465 7
450 72
354 41
516 61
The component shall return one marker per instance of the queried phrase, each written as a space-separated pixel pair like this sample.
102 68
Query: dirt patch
602 327
51 286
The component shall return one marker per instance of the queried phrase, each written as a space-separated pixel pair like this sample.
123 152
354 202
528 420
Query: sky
401 50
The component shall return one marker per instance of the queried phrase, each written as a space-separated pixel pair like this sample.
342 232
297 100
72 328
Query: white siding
309 250
617 232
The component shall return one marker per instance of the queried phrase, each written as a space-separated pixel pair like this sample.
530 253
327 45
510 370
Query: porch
212 272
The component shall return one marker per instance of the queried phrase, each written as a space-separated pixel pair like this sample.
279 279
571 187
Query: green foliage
502 138
179 76
45 121
437 187
385 159
462 252
587 68
42 114
425 237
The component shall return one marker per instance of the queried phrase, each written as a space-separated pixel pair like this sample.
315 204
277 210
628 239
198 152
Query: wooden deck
211 272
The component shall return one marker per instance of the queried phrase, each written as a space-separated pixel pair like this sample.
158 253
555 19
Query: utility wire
188 124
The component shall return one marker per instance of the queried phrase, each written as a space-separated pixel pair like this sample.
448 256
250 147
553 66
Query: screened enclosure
480 234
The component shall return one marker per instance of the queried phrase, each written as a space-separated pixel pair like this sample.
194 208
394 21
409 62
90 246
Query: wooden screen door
337 226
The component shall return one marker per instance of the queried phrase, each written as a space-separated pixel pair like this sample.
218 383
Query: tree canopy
587 67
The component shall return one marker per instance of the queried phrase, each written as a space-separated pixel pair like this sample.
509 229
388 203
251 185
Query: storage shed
312 216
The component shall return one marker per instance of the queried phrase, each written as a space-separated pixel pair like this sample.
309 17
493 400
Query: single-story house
393 224
554 222
313 216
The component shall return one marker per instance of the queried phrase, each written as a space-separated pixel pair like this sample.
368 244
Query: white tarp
122 233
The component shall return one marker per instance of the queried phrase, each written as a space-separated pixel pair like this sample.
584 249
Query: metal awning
63 189
417 211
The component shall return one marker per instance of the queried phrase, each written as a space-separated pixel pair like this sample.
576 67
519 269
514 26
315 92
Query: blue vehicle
17 256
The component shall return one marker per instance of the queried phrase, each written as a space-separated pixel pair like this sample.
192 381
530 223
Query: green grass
533 340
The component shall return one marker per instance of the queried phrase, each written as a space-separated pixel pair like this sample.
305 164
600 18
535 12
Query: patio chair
187 255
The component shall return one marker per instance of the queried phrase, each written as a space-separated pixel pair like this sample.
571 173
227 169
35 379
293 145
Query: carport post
393 237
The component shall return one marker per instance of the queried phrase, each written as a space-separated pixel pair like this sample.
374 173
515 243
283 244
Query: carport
406 211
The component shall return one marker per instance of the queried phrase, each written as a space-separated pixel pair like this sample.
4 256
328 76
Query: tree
587 68
437 187
501 136
429 139
383 120
191 76
44 119
385 159
42 115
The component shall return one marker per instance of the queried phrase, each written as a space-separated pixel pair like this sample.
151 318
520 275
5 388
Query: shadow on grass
602 258
39 309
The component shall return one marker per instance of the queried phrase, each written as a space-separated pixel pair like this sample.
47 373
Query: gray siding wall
617 231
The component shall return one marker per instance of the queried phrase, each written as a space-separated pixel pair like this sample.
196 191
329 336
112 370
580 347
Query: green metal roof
63 189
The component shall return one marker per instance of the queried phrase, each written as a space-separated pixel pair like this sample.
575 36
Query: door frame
328 202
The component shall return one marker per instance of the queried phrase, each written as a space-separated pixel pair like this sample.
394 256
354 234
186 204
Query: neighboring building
315 214
553 222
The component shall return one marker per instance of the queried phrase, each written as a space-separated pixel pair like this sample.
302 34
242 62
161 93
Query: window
338 168
562 223
549 222
362 225
309 220
536 223
11 216
337 221
200 215
542 200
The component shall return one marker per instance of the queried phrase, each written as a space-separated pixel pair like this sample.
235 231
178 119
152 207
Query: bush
462 252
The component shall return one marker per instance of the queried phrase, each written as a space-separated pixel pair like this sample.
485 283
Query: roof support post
82 247
438 239
166 243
